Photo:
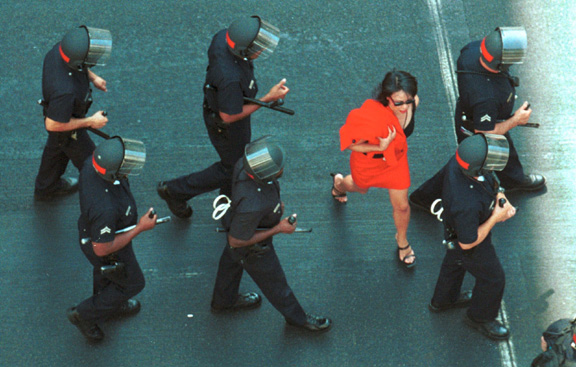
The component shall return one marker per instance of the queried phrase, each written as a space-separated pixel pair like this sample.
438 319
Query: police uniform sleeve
60 108
244 225
103 225
230 98
485 114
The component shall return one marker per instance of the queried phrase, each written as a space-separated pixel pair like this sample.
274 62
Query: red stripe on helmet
101 170
461 162
574 338
485 52
64 57
231 43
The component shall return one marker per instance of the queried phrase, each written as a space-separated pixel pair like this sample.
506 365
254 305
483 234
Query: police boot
463 300
314 323
127 308
244 302
532 182
492 329
68 185
179 208
89 329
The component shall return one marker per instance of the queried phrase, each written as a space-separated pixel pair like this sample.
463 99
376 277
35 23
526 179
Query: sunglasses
398 104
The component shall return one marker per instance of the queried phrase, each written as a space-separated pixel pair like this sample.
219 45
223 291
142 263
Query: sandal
402 261
339 194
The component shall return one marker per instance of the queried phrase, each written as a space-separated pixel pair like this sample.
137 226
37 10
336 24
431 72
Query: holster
250 254
114 269
450 239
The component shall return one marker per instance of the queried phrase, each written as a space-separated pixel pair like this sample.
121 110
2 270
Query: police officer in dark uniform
229 78
66 93
487 95
254 218
472 207
558 343
107 206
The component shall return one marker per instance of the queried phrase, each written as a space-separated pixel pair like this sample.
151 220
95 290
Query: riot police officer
487 95
229 78
107 206
66 93
473 205
254 218
558 343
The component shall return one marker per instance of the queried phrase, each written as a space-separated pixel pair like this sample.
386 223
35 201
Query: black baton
272 105
98 132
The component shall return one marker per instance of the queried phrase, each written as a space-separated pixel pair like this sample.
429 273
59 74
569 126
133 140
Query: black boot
532 182
314 323
128 308
463 300
89 329
244 302
492 329
179 208
68 185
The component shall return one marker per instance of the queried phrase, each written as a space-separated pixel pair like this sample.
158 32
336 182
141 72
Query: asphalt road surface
332 53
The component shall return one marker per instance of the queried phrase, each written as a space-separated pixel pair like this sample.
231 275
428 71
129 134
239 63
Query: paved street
333 54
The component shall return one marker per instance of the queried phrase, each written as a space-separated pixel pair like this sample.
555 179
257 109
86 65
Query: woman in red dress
376 134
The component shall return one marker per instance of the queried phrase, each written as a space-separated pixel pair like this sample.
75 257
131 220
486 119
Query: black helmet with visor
116 158
252 37
263 160
86 47
482 153
503 47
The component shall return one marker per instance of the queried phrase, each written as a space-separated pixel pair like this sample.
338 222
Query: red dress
368 123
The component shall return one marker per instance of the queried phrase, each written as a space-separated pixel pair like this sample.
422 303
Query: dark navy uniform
228 80
486 99
467 204
105 208
255 206
67 94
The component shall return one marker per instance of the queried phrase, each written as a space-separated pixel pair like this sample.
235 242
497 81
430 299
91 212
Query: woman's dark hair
393 82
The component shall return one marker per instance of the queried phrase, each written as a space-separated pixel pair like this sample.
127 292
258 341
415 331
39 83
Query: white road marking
448 71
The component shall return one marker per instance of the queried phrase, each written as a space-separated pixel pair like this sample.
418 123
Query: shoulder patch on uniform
486 117
105 230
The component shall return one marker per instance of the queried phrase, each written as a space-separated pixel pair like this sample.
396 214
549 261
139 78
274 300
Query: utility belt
450 239
112 268
80 109
215 117
466 120
251 253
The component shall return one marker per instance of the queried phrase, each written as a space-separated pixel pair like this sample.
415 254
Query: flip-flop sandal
339 194
403 260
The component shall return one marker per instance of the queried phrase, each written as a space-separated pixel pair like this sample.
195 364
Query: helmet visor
134 158
514 45
265 42
260 160
100 47
498 151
